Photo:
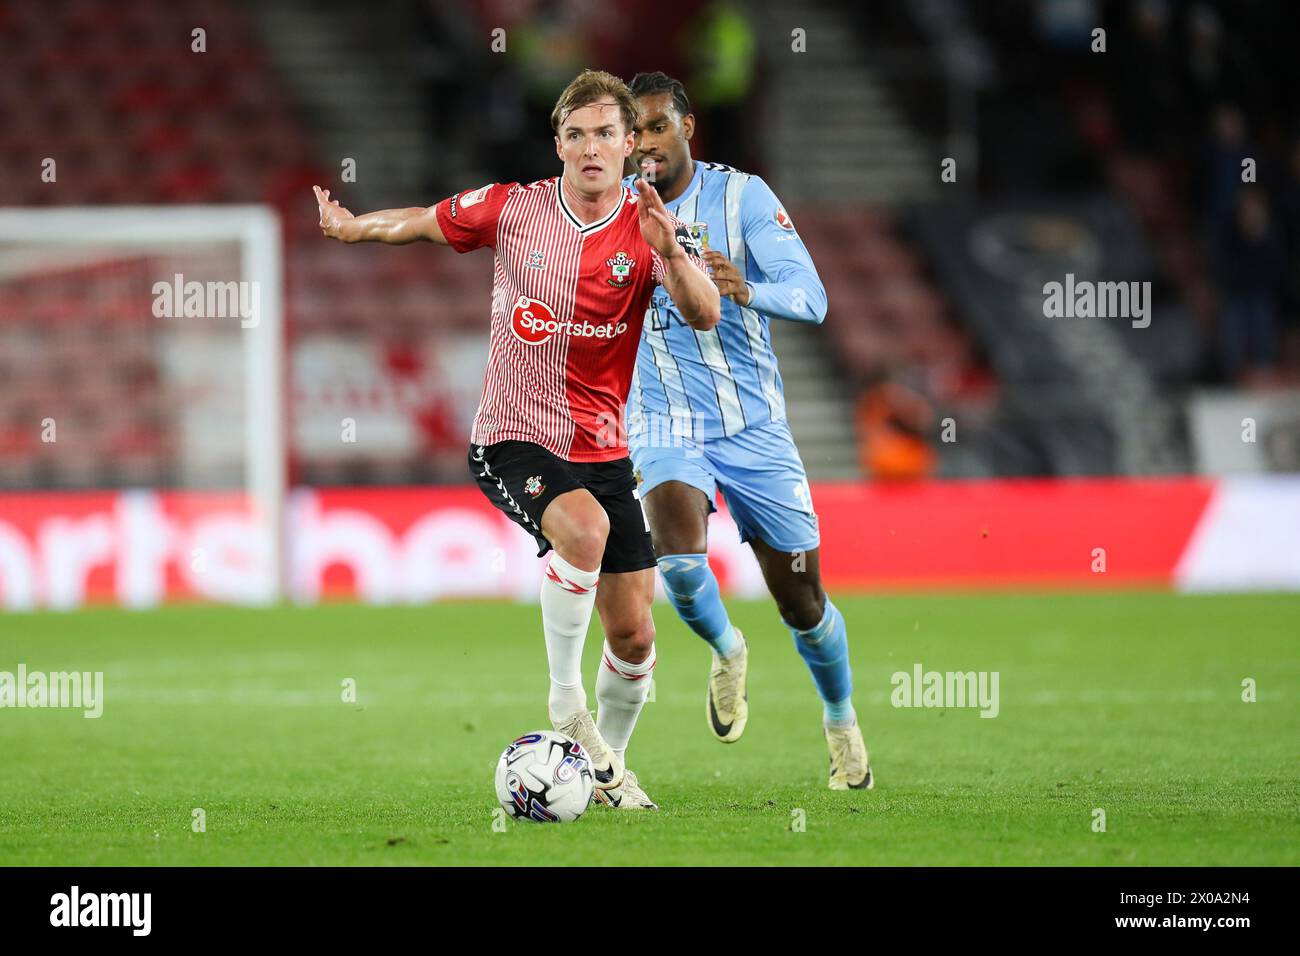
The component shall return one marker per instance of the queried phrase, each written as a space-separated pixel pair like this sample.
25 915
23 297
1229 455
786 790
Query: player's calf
825 649
817 626
626 666
576 527
800 601
621 691
693 591
568 596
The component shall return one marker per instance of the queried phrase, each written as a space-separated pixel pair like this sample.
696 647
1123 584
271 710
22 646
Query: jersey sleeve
469 219
791 288
689 245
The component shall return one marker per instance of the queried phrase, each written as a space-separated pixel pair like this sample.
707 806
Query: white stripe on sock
621 691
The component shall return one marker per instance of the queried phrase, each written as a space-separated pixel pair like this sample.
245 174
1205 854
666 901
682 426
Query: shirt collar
697 178
590 227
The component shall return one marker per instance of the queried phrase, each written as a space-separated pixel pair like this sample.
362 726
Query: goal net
141 378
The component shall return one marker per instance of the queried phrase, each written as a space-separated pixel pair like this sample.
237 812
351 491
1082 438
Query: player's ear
629 144
688 126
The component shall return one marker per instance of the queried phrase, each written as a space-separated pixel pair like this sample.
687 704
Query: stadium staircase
836 139
358 110
819 403
838 135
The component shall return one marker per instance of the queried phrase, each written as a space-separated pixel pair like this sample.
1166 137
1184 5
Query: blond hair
589 87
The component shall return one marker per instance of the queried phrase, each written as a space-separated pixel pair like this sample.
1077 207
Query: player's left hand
727 277
656 228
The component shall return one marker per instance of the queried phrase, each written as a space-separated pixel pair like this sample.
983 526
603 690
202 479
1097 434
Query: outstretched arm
691 288
396 227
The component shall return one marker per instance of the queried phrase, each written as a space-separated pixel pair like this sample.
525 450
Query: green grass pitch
1129 702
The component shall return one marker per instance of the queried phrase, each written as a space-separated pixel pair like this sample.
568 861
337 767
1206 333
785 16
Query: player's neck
589 210
673 190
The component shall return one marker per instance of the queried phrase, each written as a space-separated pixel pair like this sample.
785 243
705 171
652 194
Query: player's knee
679 516
802 611
678 542
585 547
580 540
593 535
635 641
683 535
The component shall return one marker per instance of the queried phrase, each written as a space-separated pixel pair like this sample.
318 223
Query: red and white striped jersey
568 301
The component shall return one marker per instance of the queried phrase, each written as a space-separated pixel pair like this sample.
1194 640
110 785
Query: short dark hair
648 84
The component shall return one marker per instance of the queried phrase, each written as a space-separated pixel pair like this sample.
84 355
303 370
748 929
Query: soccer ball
545 777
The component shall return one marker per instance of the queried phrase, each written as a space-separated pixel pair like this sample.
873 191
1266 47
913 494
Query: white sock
568 596
621 690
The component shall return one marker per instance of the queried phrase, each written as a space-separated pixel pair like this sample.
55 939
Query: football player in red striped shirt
577 258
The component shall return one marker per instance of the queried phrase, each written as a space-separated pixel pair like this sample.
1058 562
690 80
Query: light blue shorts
759 473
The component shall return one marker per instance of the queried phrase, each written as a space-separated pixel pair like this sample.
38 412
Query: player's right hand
652 215
332 215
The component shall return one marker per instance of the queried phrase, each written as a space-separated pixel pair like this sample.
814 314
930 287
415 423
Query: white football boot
629 796
727 706
606 768
850 764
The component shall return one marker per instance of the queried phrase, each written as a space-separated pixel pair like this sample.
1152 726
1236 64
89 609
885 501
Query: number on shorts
636 493
803 495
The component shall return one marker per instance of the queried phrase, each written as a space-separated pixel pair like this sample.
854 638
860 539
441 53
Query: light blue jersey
718 383
720 395
708 408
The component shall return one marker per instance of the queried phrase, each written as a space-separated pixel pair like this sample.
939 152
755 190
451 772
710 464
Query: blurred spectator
448 52
1223 64
1205 56
1289 214
547 49
892 423
720 52
1289 207
1067 25
1221 167
1149 108
1251 263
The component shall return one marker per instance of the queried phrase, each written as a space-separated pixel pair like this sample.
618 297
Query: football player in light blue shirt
707 412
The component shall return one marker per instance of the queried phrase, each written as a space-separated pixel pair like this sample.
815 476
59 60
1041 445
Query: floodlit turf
1126 702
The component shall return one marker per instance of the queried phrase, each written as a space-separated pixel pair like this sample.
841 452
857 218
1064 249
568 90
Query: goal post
84 268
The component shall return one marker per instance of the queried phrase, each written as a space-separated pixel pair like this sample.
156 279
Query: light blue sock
825 649
693 590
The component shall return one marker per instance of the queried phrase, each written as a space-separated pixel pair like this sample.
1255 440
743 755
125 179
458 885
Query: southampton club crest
533 486
620 269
